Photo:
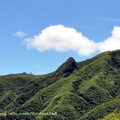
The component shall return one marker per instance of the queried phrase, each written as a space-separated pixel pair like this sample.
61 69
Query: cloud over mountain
61 39
111 43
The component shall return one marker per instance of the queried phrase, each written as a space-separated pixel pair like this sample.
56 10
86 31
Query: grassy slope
91 86
76 91
112 116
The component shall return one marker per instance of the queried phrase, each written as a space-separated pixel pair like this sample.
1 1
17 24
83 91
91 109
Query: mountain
87 90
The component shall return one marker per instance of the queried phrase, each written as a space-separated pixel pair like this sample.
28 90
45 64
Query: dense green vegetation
88 90
112 116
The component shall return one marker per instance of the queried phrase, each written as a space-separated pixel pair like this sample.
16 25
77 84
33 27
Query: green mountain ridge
87 90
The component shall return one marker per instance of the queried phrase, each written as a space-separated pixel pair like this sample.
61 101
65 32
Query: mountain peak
71 60
67 68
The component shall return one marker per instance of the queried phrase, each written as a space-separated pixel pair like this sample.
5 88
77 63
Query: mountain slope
87 90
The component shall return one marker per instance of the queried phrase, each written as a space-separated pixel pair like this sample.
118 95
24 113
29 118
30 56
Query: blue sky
94 27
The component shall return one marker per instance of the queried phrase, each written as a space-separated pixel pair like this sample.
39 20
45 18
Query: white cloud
111 43
20 34
61 39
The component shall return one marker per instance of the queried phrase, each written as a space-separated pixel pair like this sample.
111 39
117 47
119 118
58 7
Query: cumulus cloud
61 39
20 34
111 43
